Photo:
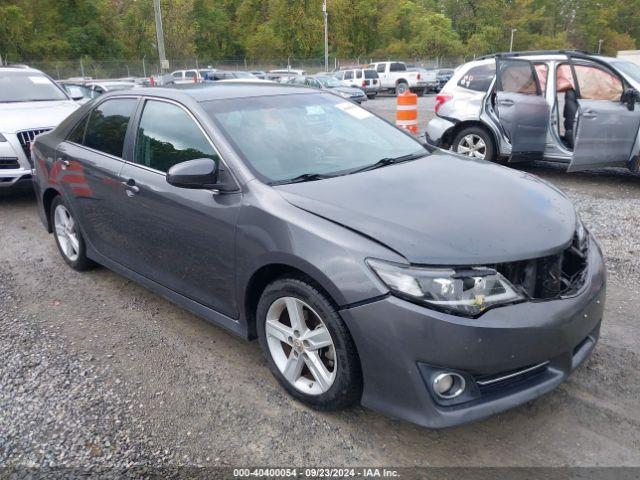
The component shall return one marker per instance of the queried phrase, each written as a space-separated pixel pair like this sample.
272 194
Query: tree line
275 29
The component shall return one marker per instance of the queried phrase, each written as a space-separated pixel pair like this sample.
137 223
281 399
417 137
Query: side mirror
201 173
629 97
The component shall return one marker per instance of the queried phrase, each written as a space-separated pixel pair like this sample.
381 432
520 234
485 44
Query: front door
180 238
521 108
87 170
606 129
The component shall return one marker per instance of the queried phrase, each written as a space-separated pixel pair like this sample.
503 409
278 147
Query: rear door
88 168
606 129
522 110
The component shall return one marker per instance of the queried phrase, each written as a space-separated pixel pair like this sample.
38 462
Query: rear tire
372 96
401 87
310 352
474 142
68 236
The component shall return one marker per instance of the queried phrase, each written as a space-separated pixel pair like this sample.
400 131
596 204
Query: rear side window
358 73
190 74
517 76
108 124
167 135
478 78
370 74
77 134
397 67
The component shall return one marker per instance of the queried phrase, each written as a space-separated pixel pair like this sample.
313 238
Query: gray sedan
369 269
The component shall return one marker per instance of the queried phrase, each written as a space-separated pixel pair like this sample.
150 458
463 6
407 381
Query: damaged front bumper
507 356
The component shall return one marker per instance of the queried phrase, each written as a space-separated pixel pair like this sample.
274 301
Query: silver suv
563 106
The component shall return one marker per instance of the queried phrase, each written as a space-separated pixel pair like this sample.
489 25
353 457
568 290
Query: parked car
262 75
443 75
193 75
430 76
288 71
228 74
365 79
103 86
332 85
370 270
396 78
77 90
564 106
30 103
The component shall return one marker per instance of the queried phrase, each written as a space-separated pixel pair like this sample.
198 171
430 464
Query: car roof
204 92
19 69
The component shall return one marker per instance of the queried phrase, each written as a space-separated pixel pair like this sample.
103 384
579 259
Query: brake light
441 99
364 83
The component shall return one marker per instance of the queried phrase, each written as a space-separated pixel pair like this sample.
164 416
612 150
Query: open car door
521 108
607 121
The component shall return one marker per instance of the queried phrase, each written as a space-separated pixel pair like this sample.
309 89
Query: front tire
474 142
307 345
68 236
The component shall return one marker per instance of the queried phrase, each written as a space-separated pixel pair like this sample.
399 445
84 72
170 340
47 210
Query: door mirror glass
629 97
198 173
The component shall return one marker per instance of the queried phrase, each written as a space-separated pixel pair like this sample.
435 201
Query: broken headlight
466 292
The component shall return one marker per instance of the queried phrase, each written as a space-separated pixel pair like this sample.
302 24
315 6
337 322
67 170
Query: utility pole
513 30
164 65
600 46
326 35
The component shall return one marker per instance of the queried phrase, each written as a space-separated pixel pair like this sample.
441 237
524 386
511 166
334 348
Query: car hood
445 209
15 117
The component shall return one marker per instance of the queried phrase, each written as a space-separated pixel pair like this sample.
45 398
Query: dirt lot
95 370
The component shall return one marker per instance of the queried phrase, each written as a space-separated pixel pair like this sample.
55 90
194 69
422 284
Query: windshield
329 82
282 137
28 86
77 91
111 87
244 75
628 68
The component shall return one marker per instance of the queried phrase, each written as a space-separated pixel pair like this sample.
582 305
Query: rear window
370 74
28 86
478 78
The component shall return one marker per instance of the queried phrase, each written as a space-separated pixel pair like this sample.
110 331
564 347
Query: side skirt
228 323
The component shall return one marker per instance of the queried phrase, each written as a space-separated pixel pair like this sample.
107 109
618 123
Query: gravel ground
96 371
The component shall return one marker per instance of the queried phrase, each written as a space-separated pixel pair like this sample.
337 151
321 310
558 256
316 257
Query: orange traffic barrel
407 113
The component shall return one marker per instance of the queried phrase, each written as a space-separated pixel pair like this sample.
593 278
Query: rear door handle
130 187
64 164
506 103
589 114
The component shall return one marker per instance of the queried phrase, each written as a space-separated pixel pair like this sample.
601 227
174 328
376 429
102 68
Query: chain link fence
63 69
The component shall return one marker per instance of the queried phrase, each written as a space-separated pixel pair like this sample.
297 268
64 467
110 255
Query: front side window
595 83
285 136
370 74
108 124
381 68
28 86
348 75
397 67
177 74
167 135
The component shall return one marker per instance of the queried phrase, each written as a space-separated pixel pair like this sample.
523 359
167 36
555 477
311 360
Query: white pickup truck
395 77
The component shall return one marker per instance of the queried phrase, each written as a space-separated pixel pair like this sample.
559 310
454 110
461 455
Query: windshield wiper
305 177
383 162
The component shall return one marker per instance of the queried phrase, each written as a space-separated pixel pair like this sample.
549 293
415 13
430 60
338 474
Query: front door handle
589 114
506 103
130 187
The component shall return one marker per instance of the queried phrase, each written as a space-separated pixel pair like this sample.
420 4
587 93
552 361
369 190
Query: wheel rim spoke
296 314
320 373
277 330
293 367
75 245
318 338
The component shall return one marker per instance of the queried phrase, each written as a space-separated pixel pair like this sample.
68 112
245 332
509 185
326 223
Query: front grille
26 137
555 276
9 163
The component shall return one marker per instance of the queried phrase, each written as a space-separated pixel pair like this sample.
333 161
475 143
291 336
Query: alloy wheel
301 345
472 145
65 231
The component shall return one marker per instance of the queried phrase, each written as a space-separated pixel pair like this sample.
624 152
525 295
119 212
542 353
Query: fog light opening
448 385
